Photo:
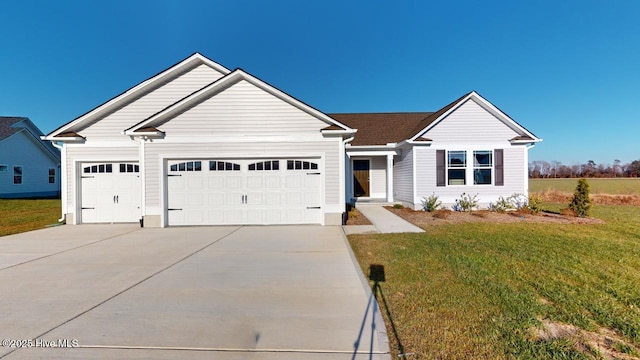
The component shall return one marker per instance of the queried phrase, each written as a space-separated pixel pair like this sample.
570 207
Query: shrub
466 203
431 203
519 201
581 204
535 203
501 205
398 206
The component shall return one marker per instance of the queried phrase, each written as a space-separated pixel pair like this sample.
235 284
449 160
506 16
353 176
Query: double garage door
244 191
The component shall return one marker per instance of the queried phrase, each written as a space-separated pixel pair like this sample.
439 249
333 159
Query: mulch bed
425 218
355 217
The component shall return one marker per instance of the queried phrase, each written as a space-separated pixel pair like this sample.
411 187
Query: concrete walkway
383 220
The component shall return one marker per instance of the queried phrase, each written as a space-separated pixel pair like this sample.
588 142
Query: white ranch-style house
29 167
199 144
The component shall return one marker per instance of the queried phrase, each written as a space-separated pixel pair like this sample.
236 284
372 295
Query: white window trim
466 167
13 168
492 168
50 176
470 167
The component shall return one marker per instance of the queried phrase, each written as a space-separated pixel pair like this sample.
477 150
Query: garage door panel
233 182
255 198
233 217
110 192
216 199
311 181
195 182
195 200
216 182
273 198
294 181
254 182
294 198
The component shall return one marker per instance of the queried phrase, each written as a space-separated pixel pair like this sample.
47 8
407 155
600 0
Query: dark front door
360 178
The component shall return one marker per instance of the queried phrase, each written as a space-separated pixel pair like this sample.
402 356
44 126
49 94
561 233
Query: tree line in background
556 169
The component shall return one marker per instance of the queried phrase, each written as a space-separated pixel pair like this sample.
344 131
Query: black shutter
440 168
499 155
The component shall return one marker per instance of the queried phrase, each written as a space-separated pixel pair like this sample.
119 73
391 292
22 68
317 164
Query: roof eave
114 102
228 80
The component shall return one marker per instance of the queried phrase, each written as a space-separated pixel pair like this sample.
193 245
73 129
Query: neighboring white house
199 144
29 167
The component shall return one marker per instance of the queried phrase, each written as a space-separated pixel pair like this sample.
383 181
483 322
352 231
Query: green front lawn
23 215
484 290
616 186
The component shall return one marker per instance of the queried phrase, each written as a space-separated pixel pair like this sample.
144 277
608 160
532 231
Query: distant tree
633 169
616 166
581 204
555 167
575 170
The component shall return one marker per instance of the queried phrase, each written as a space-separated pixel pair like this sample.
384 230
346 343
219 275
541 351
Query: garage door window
129 168
265 165
301 165
186 166
98 168
215 165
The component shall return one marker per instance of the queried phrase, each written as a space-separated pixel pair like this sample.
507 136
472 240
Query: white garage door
110 192
226 192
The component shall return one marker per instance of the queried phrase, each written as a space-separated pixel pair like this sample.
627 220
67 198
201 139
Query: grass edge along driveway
20 215
512 290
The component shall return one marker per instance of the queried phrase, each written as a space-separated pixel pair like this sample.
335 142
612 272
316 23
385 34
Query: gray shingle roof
5 126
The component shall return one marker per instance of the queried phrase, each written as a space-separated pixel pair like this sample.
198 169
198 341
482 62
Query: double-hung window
482 167
17 175
456 167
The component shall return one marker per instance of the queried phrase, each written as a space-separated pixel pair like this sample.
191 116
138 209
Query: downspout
346 167
142 176
63 180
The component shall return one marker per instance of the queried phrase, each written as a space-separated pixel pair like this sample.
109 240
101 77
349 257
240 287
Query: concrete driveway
119 291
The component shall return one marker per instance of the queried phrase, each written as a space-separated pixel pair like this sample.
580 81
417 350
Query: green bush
431 203
535 203
466 203
502 205
398 206
581 204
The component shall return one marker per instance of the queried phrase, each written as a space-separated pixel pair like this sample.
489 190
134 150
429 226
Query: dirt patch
355 217
601 199
603 343
425 218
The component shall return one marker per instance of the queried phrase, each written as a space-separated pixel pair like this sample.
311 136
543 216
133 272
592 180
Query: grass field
498 291
617 186
23 215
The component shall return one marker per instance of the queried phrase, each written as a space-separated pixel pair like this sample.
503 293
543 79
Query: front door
361 178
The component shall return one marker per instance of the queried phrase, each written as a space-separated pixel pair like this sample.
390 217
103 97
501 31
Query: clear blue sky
567 70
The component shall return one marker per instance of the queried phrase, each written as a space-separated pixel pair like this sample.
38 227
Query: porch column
389 177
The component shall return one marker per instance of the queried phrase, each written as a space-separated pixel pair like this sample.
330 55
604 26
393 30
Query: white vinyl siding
470 123
403 176
378 177
514 181
242 108
111 126
97 154
329 149
20 149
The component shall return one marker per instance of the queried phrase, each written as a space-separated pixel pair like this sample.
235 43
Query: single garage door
236 192
110 192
